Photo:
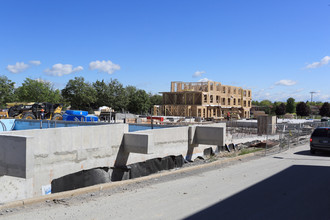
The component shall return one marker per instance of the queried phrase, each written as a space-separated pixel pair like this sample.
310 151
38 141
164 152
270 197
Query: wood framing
205 99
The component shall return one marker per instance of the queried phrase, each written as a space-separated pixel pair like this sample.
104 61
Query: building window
211 86
249 104
211 98
244 93
228 101
234 101
199 112
229 90
224 89
244 103
205 98
249 93
204 113
217 99
234 90
239 101
223 101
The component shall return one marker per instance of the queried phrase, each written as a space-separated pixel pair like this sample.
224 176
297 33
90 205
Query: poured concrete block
138 143
210 135
16 156
267 125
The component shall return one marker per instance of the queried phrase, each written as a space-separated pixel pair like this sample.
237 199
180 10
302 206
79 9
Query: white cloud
299 90
35 62
43 80
285 82
21 66
325 98
204 80
299 95
60 69
18 67
198 73
325 60
104 66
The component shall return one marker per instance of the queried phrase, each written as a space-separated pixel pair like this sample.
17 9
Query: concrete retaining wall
31 159
41 155
175 141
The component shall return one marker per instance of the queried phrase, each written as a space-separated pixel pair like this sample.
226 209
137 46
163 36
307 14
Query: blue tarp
67 117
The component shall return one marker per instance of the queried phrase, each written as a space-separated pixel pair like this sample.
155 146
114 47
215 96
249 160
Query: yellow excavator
36 110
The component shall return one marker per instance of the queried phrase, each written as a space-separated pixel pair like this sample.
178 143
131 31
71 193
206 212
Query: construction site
208 100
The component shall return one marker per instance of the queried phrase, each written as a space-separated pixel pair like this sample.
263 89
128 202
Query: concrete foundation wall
176 141
167 141
36 157
42 155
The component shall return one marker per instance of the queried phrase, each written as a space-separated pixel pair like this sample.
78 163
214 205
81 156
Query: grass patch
249 150
212 158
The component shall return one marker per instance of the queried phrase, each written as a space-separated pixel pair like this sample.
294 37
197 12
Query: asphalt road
289 185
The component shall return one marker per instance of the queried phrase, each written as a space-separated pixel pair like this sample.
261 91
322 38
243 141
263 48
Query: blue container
67 117
91 118
76 112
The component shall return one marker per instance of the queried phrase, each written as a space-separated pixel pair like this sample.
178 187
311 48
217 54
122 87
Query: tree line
80 94
290 106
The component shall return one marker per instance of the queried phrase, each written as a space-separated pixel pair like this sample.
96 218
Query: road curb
104 186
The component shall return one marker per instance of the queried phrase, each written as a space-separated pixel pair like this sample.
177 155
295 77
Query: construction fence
281 137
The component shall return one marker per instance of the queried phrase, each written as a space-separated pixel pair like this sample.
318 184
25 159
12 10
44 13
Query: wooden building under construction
206 100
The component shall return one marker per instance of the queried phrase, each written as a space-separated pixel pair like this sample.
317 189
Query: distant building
205 99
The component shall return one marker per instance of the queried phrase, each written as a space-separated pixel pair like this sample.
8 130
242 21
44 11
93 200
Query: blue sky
277 48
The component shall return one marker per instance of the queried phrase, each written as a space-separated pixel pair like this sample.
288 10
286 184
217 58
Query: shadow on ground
317 153
299 192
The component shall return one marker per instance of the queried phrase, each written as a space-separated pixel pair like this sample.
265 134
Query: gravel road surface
288 185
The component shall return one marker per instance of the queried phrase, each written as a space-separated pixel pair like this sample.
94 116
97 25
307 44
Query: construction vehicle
35 111
3 114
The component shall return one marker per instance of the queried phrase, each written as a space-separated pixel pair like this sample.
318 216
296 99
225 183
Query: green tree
37 91
80 94
272 109
139 101
303 109
290 105
280 109
325 110
111 94
266 106
103 95
7 90
265 103
120 95
255 103
130 91
155 99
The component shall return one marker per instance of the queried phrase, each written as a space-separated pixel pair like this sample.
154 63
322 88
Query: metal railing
281 137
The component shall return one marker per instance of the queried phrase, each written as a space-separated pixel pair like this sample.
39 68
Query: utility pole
312 95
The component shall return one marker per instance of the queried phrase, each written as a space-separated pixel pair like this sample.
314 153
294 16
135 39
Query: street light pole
312 96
